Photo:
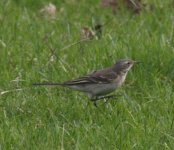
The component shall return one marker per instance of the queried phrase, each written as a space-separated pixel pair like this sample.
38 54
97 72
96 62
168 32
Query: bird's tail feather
48 84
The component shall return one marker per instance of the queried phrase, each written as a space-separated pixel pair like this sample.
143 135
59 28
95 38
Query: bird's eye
128 63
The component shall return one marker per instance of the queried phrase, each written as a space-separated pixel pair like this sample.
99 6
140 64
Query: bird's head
124 65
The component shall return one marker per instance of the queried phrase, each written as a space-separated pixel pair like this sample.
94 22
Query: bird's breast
120 79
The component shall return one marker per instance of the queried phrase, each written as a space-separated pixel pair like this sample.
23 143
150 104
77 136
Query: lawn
36 48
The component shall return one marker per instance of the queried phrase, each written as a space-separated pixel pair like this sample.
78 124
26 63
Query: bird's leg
95 99
95 103
105 97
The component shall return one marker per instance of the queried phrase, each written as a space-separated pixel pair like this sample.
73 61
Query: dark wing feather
99 77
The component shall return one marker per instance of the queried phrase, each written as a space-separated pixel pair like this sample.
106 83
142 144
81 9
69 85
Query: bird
99 83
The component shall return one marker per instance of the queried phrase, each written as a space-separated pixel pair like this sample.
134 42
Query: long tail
48 84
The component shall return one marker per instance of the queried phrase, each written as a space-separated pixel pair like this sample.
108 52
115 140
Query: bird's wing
98 77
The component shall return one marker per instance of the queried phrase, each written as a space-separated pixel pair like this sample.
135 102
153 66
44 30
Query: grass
57 118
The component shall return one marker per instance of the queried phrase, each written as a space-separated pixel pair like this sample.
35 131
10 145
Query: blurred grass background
31 50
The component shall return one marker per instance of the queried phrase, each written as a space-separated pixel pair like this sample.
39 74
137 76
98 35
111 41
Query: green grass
56 118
